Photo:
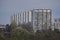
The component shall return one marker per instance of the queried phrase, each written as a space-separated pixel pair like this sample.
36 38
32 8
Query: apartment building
57 23
38 19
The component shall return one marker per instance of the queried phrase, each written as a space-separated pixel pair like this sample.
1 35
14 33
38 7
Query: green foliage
47 35
1 38
22 34
13 25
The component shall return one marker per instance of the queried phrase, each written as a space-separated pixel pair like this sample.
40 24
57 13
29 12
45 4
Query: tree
13 25
20 34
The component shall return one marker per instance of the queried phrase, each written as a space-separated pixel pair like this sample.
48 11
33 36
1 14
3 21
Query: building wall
41 19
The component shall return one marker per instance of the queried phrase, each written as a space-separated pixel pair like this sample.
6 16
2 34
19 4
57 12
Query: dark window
59 20
55 20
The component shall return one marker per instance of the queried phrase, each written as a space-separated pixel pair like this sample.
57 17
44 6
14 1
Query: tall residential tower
40 19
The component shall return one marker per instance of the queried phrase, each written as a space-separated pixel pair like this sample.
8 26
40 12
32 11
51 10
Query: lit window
44 10
36 10
40 10
48 10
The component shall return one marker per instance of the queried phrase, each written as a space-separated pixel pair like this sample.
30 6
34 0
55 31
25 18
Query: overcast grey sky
9 7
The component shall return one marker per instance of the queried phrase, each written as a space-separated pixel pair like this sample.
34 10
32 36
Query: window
55 20
59 20
40 10
44 10
48 10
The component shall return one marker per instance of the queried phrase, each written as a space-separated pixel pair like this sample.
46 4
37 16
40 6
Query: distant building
2 27
52 27
41 19
57 23
38 19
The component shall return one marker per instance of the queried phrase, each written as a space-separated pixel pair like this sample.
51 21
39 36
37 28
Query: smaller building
57 24
2 27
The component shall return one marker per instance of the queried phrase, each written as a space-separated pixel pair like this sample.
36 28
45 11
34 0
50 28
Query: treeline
22 34
11 33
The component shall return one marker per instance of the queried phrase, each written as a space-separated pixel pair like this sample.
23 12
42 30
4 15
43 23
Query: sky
10 7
